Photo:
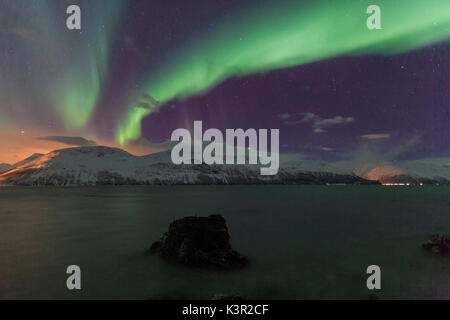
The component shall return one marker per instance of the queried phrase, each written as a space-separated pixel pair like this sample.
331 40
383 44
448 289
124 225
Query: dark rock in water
439 245
199 242
226 297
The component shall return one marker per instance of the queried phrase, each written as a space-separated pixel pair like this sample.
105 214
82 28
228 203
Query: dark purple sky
404 96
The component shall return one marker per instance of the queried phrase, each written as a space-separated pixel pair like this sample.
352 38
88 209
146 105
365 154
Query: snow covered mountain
5 167
110 166
29 159
432 171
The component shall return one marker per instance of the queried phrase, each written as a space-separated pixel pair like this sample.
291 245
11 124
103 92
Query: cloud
319 124
70 141
376 136
284 116
328 149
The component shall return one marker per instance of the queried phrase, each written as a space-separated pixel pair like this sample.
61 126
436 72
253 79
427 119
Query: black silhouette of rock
439 245
199 242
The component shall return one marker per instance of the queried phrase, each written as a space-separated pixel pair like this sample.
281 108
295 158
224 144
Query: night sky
140 69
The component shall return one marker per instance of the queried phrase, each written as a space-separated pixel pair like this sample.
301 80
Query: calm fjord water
303 242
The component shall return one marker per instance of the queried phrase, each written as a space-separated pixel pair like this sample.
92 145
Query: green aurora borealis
67 73
78 94
51 76
284 34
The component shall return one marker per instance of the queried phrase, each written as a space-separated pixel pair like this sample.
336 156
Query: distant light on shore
401 184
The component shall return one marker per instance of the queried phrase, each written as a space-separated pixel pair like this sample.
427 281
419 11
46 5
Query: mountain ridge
419 171
5 167
99 165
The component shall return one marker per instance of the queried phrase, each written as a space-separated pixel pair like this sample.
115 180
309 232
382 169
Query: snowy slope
5 167
436 170
103 166
29 159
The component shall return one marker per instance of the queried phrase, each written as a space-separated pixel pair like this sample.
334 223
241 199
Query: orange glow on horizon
17 145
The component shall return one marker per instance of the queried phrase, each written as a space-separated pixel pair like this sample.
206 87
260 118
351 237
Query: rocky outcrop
439 245
199 242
